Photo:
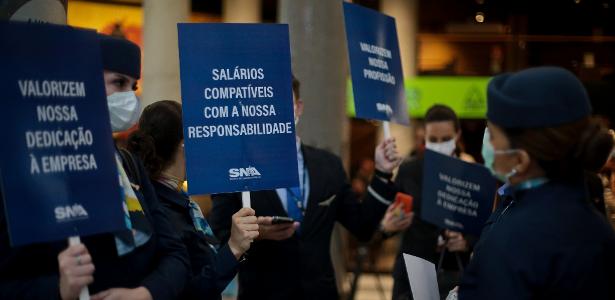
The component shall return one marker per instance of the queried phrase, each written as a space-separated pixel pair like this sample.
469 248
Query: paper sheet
422 277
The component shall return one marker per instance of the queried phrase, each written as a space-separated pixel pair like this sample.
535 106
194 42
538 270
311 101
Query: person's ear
523 162
180 153
299 105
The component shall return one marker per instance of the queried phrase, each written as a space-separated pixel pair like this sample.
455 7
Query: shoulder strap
130 166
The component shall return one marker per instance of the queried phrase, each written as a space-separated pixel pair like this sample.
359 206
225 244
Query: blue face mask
489 156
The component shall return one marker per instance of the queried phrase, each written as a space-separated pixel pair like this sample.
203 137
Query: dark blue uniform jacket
211 271
543 243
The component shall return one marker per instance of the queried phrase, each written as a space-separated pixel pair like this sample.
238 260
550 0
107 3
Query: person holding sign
159 143
443 248
145 261
545 240
291 258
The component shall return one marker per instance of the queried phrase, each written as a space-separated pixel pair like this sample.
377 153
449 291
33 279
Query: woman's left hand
456 242
396 220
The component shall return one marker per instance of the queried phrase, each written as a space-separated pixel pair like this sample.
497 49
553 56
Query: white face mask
445 148
124 110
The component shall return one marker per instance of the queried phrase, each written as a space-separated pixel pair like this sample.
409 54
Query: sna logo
70 212
243 173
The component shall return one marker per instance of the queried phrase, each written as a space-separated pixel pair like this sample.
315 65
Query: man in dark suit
292 261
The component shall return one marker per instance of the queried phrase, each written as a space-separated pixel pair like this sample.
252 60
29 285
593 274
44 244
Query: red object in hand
405 201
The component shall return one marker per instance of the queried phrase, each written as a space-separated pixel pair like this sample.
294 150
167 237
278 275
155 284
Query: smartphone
404 202
282 220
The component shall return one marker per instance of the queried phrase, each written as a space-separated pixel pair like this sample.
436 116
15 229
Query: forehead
495 130
111 74
498 136
440 128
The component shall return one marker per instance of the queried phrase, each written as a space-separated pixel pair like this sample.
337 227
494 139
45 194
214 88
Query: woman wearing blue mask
545 240
144 262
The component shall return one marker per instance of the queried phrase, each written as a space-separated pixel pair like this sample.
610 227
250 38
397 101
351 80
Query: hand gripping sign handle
386 127
85 293
245 199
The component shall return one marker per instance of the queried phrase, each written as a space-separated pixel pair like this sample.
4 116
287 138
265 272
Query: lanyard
531 183
299 199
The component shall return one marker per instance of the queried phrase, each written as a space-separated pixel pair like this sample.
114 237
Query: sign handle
386 126
245 199
85 293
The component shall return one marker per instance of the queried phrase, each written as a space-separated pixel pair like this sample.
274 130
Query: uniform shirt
303 176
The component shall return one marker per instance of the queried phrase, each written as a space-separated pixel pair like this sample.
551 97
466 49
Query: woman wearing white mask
146 262
442 247
122 68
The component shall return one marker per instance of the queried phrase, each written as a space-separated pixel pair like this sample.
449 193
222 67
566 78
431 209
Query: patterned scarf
198 219
139 230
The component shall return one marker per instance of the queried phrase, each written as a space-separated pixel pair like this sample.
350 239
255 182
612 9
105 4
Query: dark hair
442 113
296 85
158 136
565 151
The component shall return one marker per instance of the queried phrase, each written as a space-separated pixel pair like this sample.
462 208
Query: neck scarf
139 230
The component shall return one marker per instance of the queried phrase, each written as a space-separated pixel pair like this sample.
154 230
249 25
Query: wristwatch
385 234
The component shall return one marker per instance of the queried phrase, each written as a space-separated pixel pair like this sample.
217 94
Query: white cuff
371 191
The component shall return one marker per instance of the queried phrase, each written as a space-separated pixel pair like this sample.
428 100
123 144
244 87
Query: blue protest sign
239 128
375 65
456 195
58 171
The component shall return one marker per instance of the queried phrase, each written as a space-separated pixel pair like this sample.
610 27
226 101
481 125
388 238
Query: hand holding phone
276 228
403 204
281 220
